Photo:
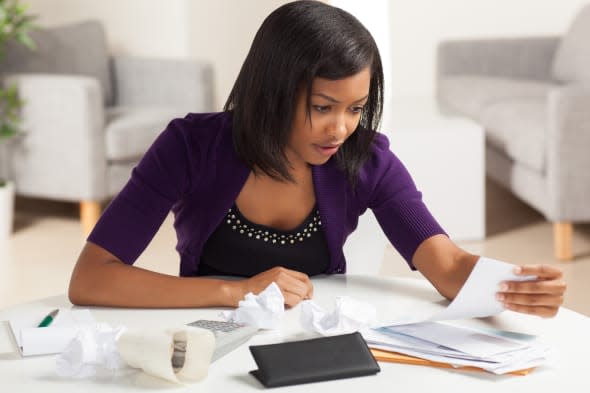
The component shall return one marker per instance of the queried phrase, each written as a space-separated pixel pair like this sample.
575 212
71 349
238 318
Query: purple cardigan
193 170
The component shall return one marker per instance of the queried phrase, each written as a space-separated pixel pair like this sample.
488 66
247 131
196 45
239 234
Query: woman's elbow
78 291
75 296
88 275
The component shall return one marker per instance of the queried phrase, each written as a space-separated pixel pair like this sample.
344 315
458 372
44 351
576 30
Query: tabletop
394 298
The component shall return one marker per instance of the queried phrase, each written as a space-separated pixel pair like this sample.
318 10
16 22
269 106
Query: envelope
32 340
394 357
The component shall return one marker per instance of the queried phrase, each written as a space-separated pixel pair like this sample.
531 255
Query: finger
541 271
530 300
543 311
299 276
291 299
291 285
304 278
539 287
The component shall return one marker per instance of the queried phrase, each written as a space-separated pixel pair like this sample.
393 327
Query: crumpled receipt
180 354
349 316
92 352
264 311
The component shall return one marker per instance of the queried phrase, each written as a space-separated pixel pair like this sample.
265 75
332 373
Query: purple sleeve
134 216
397 204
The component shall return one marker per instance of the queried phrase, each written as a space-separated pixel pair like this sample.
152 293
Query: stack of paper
457 346
426 338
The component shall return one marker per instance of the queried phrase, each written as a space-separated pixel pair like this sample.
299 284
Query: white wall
138 27
220 31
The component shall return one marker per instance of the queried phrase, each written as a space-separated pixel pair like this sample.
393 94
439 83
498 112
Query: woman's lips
327 150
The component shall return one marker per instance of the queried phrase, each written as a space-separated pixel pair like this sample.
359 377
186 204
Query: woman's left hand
541 297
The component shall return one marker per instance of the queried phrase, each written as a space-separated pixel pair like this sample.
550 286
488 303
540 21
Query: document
477 297
426 337
34 340
458 346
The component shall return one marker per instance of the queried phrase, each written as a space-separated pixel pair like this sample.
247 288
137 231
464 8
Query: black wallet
318 359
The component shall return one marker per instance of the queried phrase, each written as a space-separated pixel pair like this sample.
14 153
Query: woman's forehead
352 88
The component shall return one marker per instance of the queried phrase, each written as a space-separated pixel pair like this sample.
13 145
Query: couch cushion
79 49
572 59
517 127
469 94
131 131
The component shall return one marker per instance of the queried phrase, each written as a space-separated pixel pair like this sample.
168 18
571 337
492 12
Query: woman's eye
356 109
321 108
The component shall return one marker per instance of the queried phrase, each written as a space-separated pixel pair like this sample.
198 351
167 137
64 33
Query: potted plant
15 24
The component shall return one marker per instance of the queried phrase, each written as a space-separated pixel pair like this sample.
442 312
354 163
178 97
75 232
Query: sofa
89 115
532 97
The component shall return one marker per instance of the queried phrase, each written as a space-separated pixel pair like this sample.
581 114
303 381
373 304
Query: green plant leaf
26 40
15 24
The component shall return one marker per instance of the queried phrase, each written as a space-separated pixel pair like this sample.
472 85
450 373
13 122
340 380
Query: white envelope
32 340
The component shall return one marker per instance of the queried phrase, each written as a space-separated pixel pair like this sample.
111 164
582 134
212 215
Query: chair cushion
469 95
131 131
572 59
79 49
517 127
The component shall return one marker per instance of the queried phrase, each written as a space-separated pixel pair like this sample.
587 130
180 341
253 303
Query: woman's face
335 112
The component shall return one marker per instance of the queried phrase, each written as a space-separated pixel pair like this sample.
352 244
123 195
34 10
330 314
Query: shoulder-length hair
298 42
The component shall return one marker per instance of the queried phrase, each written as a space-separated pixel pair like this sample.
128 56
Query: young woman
269 189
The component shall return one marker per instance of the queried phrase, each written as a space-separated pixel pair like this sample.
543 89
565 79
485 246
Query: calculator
228 335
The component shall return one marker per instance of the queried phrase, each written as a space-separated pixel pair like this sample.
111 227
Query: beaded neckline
243 226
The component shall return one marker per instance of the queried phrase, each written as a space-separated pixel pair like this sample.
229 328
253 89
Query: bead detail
234 219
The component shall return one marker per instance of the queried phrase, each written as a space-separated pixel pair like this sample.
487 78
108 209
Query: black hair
296 43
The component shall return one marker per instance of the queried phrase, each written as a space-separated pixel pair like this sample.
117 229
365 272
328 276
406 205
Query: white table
394 298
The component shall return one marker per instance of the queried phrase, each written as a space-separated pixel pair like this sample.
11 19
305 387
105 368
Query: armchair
532 97
89 116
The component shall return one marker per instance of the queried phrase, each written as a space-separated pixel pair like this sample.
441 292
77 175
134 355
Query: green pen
49 318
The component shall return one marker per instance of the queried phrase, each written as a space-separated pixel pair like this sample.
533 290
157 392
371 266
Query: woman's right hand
295 286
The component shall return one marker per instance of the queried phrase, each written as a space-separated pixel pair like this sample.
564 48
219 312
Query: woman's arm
101 279
444 264
447 267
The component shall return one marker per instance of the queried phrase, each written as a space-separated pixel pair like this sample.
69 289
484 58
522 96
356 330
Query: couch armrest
520 58
62 153
568 154
183 83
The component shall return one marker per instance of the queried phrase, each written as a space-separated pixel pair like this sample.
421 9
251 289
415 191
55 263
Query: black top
239 247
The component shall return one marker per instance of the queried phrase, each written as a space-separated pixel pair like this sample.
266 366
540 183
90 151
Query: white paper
497 368
264 311
32 340
465 340
349 316
425 338
458 346
477 297
102 350
93 351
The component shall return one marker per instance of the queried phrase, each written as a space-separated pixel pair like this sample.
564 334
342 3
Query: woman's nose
338 128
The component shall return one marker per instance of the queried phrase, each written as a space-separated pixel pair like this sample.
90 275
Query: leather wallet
318 359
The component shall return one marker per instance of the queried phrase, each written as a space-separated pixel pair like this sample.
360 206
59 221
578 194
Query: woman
270 188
